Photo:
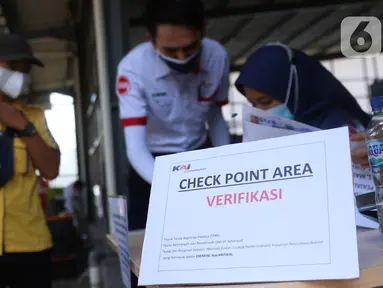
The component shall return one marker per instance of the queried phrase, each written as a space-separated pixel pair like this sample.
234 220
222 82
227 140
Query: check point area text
210 182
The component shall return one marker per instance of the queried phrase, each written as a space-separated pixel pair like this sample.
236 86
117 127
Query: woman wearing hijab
293 85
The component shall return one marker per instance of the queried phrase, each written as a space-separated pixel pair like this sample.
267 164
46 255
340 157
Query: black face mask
188 66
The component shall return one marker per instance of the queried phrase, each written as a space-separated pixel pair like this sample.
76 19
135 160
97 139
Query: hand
360 156
12 117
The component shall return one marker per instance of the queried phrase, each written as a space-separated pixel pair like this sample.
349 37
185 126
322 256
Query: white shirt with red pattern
175 107
166 112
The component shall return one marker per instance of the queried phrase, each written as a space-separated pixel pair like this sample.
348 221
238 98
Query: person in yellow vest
26 145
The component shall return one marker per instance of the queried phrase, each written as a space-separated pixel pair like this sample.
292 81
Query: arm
218 130
359 155
44 158
68 193
140 157
340 118
133 120
41 147
336 117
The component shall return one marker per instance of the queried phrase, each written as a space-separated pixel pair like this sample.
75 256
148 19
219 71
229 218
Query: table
370 250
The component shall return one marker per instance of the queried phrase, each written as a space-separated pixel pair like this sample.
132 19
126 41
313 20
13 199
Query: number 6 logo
361 37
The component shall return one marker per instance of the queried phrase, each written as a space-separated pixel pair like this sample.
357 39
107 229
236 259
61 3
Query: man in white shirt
73 201
169 88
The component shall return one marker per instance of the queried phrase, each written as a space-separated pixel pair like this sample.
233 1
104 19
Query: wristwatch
28 131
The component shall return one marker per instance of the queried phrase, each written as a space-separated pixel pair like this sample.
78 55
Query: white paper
274 121
362 178
254 132
300 226
118 211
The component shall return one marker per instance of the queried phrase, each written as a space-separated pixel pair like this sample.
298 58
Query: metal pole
80 123
117 39
80 130
103 77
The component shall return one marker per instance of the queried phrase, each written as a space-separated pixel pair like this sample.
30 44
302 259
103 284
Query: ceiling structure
244 25
47 25
240 25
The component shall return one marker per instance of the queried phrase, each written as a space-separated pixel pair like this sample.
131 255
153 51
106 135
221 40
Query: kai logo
181 167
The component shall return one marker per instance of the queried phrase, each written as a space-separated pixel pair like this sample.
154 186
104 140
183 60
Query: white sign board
259 125
119 213
271 210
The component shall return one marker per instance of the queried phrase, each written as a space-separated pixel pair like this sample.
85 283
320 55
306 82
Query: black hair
78 184
188 13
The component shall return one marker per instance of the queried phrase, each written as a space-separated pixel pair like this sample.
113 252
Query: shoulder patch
122 85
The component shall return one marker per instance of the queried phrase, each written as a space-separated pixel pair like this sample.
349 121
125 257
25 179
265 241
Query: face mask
282 111
13 83
185 66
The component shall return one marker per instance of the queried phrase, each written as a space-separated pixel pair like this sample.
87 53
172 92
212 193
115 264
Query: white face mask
13 83
183 66
177 61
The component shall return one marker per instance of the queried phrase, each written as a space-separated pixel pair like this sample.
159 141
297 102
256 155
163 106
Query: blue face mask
282 111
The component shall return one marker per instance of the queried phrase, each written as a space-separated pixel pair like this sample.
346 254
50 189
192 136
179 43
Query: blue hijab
323 101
